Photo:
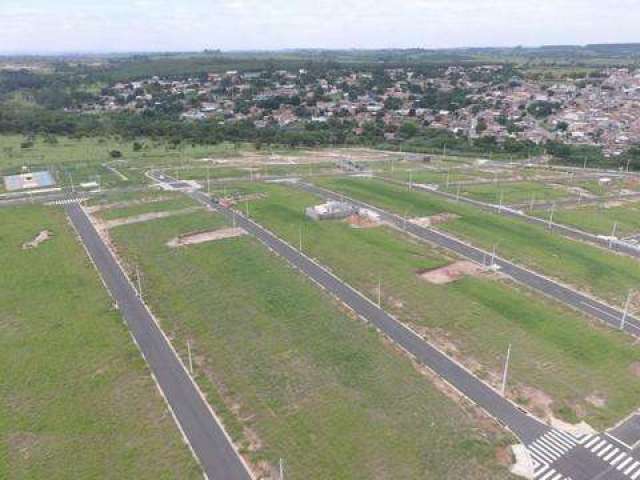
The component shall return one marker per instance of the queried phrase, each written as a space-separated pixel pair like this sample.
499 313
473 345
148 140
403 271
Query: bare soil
362 221
434 219
451 273
43 236
597 400
195 238
635 368
537 401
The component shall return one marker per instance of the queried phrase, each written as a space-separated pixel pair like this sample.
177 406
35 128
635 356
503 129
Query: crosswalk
613 454
66 201
547 449
545 472
555 444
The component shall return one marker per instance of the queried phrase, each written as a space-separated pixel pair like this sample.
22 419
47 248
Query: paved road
197 421
577 300
555 455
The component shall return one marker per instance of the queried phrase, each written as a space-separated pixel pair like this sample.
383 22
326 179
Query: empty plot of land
292 375
146 217
77 399
589 268
563 357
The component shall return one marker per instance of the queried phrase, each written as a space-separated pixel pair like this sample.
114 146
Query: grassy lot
557 351
176 202
512 193
97 150
589 268
600 220
279 359
76 399
431 176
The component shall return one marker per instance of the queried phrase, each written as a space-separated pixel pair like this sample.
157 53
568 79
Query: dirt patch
451 273
504 456
235 199
537 401
363 219
597 400
43 236
145 217
434 219
195 238
635 368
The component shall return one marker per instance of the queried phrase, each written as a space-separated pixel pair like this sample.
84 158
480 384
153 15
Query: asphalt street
568 296
197 421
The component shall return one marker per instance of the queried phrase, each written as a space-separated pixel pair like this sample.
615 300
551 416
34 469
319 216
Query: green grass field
558 351
512 193
601 220
175 202
76 399
279 358
589 268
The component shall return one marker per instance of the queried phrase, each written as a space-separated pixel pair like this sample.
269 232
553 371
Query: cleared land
76 399
601 220
560 361
510 193
607 275
293 376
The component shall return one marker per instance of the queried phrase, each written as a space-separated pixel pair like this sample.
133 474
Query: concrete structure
28 180
330 211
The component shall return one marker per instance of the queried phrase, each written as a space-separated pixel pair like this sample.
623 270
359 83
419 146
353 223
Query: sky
55 26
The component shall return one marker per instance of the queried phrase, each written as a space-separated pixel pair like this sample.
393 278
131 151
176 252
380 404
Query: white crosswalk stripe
613 454
544 472
549 448
66 201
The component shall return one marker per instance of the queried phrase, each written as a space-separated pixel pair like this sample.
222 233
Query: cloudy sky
169 25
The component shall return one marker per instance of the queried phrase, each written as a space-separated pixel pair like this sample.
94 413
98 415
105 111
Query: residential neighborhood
600 108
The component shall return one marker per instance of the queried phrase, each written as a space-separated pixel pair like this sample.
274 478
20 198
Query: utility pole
613 234
73 188
506 371
281 470
493 255
247 207
585 163
208 181
626 310
300 240
448 173
379 292
533 198
553 209
410 180
406 217
501 200
458 193
190 357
